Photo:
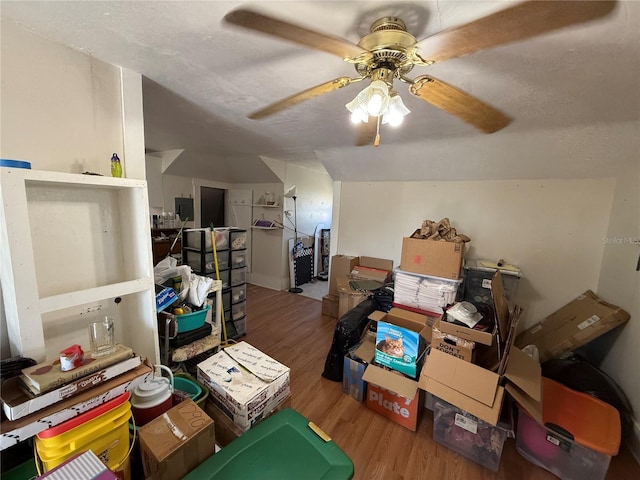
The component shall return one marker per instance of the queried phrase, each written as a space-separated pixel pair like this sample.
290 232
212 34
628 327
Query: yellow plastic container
103 429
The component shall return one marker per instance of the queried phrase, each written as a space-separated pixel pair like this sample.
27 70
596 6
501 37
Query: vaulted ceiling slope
574 94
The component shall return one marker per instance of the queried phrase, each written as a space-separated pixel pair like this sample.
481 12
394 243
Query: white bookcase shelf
70 245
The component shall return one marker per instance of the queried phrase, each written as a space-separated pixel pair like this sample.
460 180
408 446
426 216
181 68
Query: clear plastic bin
237 239
238 258
476 286
467 435
222 238
199 238
238 294
197 263
238 276
223 261
579 436
238 311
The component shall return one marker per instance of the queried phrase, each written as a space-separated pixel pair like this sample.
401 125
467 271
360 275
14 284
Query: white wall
63 111
620 284
551 229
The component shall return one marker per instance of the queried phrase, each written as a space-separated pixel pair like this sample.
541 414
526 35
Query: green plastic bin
281 447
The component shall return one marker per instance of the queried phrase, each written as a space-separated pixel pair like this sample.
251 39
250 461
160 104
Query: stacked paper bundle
424 292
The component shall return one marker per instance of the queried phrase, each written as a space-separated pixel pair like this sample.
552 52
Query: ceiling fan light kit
389 52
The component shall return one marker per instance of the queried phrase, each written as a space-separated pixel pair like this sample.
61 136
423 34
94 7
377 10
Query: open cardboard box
393 395
478 390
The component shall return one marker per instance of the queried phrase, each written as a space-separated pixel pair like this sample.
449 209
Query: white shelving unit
70 245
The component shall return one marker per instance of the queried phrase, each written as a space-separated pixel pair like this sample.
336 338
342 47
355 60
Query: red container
152 397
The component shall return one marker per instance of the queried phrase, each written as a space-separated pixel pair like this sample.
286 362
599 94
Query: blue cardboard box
398 348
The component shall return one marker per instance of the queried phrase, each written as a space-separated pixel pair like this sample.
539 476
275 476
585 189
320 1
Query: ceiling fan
390 52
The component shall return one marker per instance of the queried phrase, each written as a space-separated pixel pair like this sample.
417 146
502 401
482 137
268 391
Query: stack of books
44 384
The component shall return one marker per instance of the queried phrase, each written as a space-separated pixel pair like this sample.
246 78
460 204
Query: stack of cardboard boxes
468 372
342 297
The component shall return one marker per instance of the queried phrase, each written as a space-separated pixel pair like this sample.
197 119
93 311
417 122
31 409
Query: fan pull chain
376 142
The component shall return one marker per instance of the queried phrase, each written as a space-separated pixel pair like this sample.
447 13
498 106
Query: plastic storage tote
103 429
281 446
476 285
238 294
467 435
424 292
579 436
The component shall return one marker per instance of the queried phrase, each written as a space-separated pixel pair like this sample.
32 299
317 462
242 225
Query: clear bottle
116 166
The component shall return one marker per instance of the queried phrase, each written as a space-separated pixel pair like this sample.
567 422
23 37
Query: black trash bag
575 372
348 332
384 298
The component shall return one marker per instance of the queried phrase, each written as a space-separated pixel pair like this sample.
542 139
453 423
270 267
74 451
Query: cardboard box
341 266
352 382
330 305
399 348
368 268
16 431
176 442
403 410
226 430
577 323
347 297
429 257
389 393
458 347
481 391
466 333
245 383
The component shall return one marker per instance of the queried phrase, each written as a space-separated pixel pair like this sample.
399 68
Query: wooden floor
291 329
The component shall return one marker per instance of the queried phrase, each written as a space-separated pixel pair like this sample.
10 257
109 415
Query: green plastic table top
281 447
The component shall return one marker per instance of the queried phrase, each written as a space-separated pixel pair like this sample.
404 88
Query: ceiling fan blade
459 103
294 33
367 132
512 24
308 94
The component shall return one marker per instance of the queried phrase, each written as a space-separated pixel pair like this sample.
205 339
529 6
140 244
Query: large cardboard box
362 267
478 390
430 257
176 442
245 383
577 323
341 266
389 393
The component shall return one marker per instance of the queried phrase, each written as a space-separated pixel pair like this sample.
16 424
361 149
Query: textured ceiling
573 93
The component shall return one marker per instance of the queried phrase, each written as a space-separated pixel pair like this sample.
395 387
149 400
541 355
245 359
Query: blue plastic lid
6 162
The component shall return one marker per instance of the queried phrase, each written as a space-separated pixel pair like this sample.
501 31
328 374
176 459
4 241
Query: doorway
212 207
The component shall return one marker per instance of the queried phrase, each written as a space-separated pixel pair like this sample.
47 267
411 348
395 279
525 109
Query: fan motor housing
391 45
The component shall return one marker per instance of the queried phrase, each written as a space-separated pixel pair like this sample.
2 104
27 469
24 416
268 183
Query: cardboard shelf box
575 324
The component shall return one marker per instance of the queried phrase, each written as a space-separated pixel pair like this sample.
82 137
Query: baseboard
266 281
634 441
